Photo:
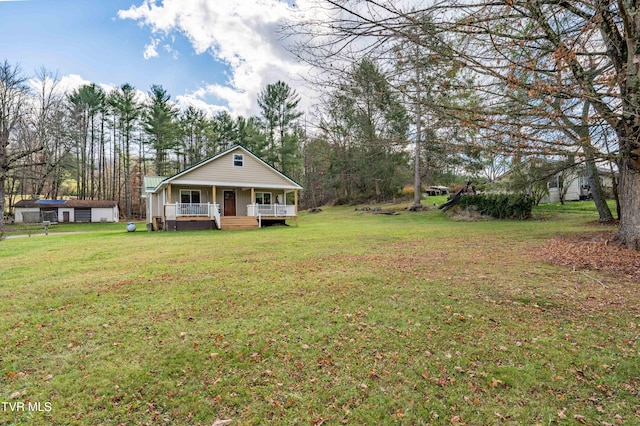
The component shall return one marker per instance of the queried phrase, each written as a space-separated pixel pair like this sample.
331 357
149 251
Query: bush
407 192
500 206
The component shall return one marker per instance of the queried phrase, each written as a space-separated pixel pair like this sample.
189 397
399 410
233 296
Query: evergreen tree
278 104
159 122
127 111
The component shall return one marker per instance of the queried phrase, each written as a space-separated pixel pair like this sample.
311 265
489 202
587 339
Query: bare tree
557 43
14 94
48 131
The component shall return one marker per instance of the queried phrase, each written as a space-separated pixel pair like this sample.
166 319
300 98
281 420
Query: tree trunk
4 167
2 198
127 172
417 182
629 192
597 192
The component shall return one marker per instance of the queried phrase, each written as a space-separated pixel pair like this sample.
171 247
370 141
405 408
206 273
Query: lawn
350 318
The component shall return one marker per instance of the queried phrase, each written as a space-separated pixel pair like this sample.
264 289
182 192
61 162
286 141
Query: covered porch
224 207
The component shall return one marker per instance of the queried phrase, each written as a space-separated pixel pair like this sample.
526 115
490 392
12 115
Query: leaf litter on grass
398 326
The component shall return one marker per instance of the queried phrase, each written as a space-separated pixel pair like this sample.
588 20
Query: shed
66 211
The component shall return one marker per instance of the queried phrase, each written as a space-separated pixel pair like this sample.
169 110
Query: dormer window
238 160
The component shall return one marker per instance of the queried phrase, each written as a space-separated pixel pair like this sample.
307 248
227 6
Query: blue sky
208 53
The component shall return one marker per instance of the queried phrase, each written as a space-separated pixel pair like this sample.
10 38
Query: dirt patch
594 251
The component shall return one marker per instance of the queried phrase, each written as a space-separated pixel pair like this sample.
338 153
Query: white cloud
150 50
70 82
241 34
185 101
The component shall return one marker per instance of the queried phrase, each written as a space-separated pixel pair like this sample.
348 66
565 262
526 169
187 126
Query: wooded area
503 80
426 93
93 144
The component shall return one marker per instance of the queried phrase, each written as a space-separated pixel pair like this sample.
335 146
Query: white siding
106 214
19 210
61 214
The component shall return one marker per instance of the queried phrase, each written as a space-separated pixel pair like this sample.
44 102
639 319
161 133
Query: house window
263 198
238 160
583 181
554 182
189 196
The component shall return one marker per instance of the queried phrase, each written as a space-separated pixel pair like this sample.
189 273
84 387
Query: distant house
549 181
232 190
574 182
66 211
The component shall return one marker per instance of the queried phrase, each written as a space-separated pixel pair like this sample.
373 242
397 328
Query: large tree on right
587 50
553 52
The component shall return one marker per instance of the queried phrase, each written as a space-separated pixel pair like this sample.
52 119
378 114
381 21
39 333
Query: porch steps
238 222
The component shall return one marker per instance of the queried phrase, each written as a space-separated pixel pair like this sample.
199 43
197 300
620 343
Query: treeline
520 80
97 144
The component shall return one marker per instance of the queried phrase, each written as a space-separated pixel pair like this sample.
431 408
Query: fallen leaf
495 382
562 414
222 422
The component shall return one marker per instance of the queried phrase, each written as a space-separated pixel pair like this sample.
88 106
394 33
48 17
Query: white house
232 190
575 183
549 179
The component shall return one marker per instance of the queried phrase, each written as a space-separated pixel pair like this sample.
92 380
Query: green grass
38 228
351 317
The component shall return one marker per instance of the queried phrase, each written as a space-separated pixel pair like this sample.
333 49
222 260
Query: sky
212 54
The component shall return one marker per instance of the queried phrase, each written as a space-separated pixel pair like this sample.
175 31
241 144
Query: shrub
407 192
500 206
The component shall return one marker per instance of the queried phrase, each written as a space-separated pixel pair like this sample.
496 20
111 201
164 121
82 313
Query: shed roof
151 182
66 203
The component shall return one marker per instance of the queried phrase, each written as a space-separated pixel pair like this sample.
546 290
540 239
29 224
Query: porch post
295 202
213 188
252 202
165 201
169 194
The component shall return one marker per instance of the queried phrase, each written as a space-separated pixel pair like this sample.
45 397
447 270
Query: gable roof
183 177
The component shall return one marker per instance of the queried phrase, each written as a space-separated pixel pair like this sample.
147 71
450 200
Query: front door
229 203
65 217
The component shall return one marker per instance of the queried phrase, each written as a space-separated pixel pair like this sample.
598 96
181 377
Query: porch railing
277 210
214 213
192 209
175 210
